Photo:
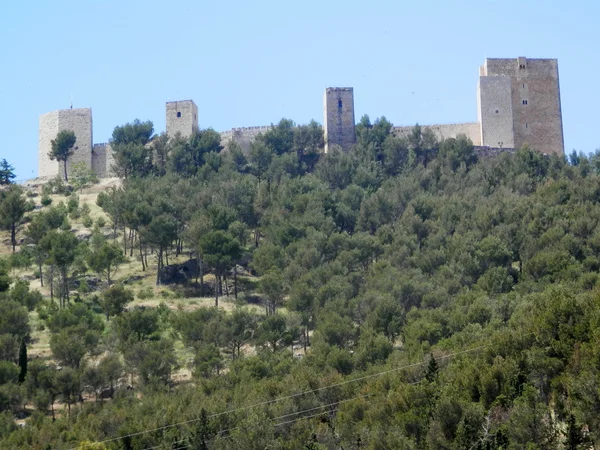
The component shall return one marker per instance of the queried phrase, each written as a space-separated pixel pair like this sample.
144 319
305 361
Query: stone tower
338 108
519 104
77 120
182 117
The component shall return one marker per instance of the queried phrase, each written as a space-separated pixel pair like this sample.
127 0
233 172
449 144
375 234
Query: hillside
405 294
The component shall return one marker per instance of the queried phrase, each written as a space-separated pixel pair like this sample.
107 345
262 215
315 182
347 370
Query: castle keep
77 120
518 103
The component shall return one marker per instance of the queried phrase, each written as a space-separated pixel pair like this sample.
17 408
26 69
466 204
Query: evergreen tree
23 361
7 173
432 370
63 147
203 433
574 438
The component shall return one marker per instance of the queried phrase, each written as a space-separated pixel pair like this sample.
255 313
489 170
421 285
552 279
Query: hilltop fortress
518 103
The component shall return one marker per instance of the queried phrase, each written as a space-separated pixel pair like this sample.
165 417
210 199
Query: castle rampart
243 136
445 131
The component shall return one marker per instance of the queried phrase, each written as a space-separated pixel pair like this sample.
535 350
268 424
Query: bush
46 200
73 204
145 293
83 287
66 225
87 222
101 222
56 186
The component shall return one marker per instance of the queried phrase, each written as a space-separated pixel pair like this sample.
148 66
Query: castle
518 103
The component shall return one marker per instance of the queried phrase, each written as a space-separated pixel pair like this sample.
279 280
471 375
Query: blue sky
249 63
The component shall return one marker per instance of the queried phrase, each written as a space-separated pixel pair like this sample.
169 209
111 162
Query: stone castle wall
243 136
102 160
490 152
471 130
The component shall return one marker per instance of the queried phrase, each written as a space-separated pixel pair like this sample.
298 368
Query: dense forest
405 294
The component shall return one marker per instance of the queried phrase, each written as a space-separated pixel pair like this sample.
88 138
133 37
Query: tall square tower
338 108
535 103
79 121
182 117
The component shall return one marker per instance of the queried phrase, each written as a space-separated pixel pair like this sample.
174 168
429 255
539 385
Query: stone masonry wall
535 100
48 129
182 117
339 123
471 130
77 120
495 112
242 136
102 160
490 152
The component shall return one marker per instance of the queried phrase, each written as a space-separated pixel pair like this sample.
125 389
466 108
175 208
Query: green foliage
14 319
22 361
114 300
137 324
136 132
188 156
416 297
82 176
63 147
7 173
13 206
62 250
220 251
4 278
132 155
105 258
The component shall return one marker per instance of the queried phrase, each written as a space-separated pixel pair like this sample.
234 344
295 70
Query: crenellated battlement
257 128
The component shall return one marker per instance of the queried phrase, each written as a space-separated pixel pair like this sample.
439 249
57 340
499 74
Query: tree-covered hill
403 295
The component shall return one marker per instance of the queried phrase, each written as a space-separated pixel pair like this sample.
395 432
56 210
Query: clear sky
253 62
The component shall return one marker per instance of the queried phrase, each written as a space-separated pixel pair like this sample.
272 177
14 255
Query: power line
287 422
221 432
279 399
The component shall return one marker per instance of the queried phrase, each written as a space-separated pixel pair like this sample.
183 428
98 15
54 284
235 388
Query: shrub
87 222
145 293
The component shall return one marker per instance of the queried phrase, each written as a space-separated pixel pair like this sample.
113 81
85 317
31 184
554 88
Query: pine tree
573 434
23 361
203 433
7 172
432 370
